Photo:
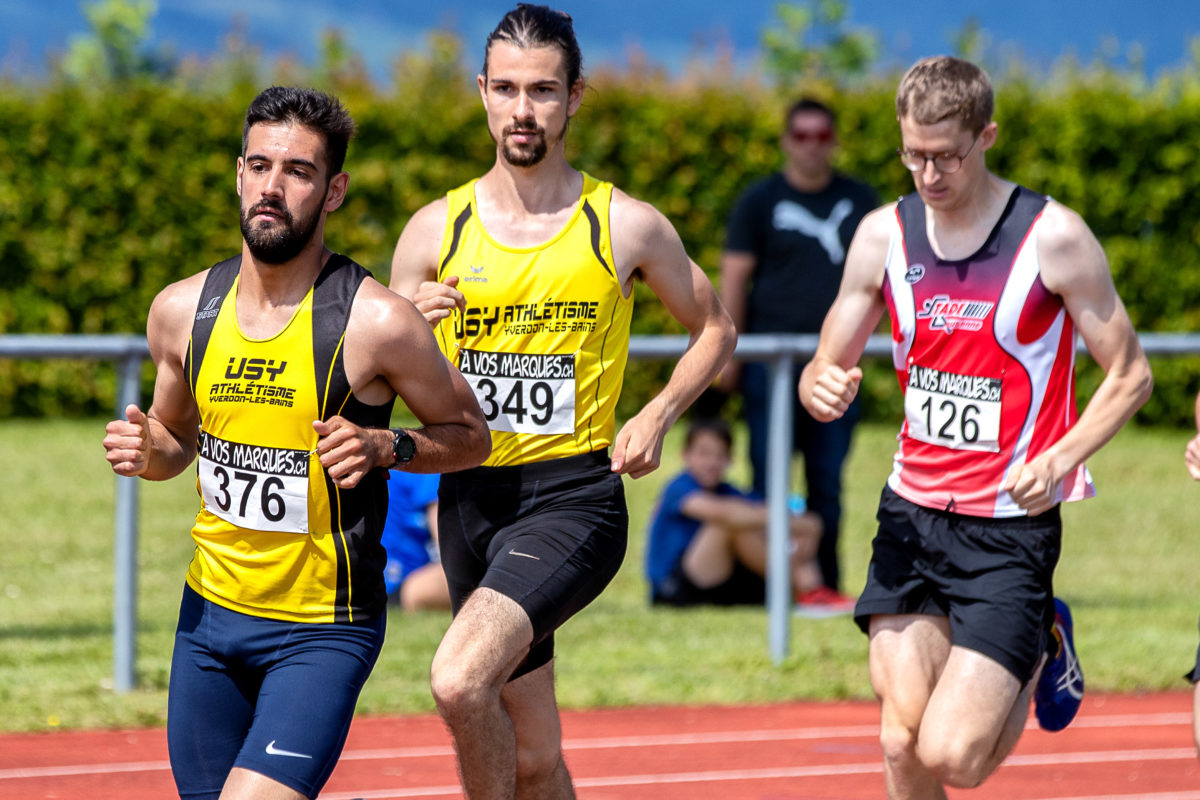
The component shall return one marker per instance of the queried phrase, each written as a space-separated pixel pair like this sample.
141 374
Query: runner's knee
899 745
955 760
538 761
458 689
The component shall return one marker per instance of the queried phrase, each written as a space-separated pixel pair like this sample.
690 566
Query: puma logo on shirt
792 216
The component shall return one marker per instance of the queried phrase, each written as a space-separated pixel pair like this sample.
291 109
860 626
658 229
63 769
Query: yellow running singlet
545 335
274 536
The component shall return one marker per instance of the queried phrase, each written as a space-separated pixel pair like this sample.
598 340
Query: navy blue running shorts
550 535
993 578
271 696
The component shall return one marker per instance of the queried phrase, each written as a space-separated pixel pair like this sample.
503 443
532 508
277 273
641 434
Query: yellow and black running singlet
274 536
545 335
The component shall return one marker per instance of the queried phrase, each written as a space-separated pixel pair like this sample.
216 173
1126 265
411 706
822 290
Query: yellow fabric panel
545 335
257 401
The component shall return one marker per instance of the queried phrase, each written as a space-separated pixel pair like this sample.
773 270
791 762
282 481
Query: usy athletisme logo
948 314
253 369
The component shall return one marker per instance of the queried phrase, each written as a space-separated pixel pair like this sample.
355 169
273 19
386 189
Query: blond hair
943 87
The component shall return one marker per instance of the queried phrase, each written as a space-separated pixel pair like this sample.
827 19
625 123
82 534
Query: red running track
1123 747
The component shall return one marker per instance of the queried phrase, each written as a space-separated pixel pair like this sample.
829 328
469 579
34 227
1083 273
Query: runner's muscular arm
160 443
737 268
646 245
415 265
830 380
1074 267
390 350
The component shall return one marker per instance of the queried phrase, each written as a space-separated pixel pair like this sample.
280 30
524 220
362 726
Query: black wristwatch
403 447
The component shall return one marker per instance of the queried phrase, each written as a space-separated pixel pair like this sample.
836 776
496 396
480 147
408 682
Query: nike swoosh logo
272 750
523 555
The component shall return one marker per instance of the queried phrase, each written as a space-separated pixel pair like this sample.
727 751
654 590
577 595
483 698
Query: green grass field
1130 569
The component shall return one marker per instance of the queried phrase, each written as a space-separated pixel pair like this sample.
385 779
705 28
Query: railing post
125 546
779 469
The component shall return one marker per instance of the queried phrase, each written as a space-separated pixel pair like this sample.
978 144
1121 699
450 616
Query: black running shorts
550 535
993 578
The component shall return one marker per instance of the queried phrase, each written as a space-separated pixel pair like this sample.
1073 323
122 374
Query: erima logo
474 272
209 311
945 314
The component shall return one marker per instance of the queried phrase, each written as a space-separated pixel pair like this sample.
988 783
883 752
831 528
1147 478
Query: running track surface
1126 747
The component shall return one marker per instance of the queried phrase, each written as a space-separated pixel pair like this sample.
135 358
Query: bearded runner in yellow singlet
528 274
279 368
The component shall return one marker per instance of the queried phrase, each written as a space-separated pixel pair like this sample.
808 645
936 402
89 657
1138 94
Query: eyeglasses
944 163
823 136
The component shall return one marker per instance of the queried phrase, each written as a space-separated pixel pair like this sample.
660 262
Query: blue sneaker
1060 688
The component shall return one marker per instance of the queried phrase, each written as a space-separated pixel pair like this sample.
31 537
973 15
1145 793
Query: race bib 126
961 412
523 393
260 488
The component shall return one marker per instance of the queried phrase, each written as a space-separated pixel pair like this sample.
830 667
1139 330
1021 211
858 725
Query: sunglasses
824 136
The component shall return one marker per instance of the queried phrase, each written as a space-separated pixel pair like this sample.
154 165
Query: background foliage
113 187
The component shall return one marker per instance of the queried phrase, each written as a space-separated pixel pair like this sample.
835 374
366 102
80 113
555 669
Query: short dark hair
712 425
321 112
808 104
530 25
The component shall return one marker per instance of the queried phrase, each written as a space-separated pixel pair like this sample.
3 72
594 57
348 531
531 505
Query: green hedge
108 194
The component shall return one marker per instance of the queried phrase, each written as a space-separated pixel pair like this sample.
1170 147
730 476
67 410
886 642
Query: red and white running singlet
985 355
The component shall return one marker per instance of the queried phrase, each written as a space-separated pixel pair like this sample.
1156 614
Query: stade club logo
947 314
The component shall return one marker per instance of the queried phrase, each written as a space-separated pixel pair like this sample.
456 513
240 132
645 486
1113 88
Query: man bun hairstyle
530 25
319 111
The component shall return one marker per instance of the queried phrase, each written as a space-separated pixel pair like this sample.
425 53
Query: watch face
403 447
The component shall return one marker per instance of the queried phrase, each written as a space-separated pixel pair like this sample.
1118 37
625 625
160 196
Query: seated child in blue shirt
708 542
413 574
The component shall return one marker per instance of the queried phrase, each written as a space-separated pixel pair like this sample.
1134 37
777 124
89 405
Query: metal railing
129 352
780 352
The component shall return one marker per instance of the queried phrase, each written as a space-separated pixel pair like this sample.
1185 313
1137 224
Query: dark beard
530 154
278 244
525 156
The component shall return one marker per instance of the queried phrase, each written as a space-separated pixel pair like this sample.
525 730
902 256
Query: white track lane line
613 742
780 773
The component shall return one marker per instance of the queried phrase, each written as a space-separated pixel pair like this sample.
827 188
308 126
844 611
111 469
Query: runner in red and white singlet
985 355
987 285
